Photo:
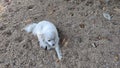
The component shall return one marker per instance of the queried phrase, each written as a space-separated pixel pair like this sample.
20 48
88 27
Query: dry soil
88 40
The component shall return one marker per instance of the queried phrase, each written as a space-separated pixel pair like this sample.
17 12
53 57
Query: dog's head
50 39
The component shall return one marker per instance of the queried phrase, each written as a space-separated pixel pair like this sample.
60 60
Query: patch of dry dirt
88 40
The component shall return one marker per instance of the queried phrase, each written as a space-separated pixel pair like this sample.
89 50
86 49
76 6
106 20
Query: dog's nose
53 45
46 48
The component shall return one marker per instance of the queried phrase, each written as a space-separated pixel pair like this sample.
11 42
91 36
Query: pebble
107 16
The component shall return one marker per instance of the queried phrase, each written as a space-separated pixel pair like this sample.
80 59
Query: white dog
47 35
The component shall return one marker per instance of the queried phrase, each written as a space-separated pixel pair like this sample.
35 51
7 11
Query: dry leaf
63 41
117 10
66 43
28 20
51 12
57 60
104 8
82 25
116 58
1 8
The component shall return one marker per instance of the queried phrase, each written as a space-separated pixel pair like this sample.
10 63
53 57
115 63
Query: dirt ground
88 39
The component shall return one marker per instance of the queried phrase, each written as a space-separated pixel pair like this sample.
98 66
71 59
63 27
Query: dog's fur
47 35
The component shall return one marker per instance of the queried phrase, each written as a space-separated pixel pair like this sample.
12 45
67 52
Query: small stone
107 16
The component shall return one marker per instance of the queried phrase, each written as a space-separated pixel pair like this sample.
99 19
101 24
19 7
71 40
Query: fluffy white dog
47 35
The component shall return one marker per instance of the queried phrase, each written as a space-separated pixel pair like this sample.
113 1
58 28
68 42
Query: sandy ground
88 40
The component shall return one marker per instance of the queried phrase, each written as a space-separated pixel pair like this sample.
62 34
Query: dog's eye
49 40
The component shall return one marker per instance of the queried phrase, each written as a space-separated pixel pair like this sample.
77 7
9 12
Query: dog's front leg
58 51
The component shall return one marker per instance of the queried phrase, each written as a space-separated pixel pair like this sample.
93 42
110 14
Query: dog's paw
60 57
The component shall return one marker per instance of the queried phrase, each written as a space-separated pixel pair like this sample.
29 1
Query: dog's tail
29 28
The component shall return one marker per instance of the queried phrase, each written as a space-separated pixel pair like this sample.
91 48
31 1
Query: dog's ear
54 35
